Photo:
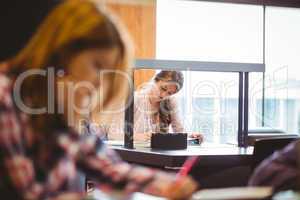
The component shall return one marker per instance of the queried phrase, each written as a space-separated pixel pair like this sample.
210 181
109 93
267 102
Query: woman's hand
142 137
182 189
198 136
166 185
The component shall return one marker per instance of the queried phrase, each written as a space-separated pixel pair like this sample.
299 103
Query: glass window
209 104
282 101
207 31
218 32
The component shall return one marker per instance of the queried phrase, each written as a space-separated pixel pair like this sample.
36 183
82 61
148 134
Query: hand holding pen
174 186
184 185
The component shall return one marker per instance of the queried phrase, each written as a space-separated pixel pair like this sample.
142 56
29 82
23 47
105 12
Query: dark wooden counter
219 165
211 155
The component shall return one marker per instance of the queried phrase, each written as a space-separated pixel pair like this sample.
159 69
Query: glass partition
213 99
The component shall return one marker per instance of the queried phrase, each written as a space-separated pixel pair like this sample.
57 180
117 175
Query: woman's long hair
71 27
165 108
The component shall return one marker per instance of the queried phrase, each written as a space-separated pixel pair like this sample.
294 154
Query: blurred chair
266 132
265 147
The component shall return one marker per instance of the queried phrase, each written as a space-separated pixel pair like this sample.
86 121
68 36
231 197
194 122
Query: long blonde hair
72 26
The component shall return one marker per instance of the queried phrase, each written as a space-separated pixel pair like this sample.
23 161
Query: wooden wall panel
140 20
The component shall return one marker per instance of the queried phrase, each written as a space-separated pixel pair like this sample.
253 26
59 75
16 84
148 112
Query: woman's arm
16 168
104 166
142 125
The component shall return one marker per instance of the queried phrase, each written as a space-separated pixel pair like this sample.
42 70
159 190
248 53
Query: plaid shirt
38 170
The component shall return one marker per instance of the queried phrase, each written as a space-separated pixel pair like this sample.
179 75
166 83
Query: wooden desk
219 165
211 155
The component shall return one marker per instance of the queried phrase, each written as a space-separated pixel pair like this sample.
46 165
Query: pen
186 168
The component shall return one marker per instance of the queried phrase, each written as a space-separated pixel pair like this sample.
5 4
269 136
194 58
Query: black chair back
263 148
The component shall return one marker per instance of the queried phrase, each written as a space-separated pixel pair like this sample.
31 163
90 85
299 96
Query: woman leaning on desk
41 150
155 107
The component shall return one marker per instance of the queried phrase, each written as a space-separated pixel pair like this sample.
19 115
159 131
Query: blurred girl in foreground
40 146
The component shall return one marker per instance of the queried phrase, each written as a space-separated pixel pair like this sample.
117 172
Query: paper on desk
233 193
114 142
121 143
99 195
142 196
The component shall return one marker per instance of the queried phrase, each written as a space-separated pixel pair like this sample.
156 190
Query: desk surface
210 154
98 195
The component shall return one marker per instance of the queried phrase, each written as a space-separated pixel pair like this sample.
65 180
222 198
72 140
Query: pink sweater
146 115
